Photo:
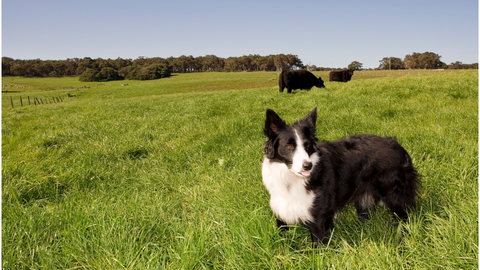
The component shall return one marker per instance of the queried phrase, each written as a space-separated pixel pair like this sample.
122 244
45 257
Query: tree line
426 60
144 68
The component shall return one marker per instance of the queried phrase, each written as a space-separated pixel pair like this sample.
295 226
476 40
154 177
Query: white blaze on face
300 157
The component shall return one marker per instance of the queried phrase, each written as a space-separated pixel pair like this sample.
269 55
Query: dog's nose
307 165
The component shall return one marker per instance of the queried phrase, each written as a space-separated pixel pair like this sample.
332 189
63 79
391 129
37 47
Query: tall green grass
167 174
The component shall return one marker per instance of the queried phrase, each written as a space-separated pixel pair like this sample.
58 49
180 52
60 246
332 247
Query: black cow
298 79
341 76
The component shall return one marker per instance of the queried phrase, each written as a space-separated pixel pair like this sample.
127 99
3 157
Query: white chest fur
289 199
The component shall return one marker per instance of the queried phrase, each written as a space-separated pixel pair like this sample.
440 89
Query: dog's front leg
318 232
282 225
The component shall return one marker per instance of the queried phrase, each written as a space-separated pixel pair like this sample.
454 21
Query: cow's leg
289 90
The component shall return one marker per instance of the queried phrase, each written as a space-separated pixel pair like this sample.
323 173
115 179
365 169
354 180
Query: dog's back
368 170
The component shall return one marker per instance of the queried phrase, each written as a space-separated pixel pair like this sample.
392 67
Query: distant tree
108 74
197 64
159 60
17 70
7 63
289 61
426 60
355 65
256 62
183 64
146 73
280 62
232 64
130 73
70 66
470 66
456 65
246 63
140 61
212 63
44 69
294 61
151 72
83 64
30 68
311 67
59 69
160 70
391 63
119 63
125 71
412 61
268 63
89 75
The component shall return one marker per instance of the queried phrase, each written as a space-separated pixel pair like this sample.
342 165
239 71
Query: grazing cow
298 79
341 76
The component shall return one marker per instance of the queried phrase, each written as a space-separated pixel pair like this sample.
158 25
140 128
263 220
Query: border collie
309 183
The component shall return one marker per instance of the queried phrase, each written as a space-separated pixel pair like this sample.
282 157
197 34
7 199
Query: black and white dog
309 183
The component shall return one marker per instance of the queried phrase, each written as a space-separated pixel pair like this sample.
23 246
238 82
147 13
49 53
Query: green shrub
151 72
108 74
125 71
89 75
104 75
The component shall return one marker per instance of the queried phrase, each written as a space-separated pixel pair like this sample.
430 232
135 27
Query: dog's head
293 145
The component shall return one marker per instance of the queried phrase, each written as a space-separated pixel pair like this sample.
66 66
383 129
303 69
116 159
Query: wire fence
19 101
18 87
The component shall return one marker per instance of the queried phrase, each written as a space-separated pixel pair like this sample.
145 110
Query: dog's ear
309 122
312 117
273 124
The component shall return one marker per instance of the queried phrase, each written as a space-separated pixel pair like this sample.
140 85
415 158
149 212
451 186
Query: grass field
167 174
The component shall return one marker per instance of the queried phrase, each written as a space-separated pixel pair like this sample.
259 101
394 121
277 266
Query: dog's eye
289 146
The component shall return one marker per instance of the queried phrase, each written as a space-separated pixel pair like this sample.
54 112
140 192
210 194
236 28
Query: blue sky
322 33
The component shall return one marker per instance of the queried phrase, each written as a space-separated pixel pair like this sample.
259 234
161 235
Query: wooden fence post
21 101
28 100
11 101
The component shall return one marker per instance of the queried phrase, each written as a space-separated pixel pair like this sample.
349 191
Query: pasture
167 173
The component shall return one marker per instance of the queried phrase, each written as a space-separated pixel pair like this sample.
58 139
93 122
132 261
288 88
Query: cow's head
320 83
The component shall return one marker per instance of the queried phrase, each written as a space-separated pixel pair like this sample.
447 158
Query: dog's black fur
361 169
